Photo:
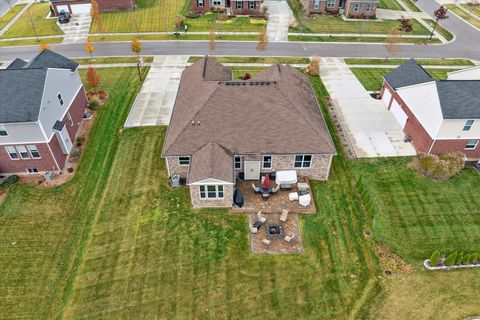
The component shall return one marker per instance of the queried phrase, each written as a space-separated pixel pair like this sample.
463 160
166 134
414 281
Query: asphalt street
466 45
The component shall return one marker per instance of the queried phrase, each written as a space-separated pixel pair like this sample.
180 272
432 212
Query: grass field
412 5
423 62
269 60
372 78
239 37
462 14
475 9
440 29
100 60
10 14
390 4
44 27
29 42
206 22
366 39
117 243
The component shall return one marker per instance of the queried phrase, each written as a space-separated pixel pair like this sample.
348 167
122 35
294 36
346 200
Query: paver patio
371 129
153 105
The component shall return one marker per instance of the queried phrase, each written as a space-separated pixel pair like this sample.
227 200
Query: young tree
262 40
179 23
391 43
93 79
32 23
44 46
211 42
313 68
96 15
405 25
90 48
136 47
440 14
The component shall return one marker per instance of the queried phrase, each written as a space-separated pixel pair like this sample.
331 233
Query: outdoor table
265 191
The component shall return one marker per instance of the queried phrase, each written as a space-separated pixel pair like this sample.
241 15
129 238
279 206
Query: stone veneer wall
319 168
174 167
227 200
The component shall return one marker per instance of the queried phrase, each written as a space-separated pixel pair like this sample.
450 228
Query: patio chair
305 200
265 196
284 215
293 196
261 217
256 189
253 230
275 190
266 242
288 238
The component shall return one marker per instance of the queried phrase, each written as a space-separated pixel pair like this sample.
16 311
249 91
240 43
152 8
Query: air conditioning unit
175 181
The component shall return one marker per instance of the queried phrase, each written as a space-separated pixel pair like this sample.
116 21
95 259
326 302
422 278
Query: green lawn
372 78
117 243
462 14
390 4
268 60
360 39
424 62
239 37
108 60
330 24
44 27
412 5
30 42
10 14
440 29
206 22
475 9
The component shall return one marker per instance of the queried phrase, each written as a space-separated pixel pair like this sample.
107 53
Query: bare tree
211 42
32 23
405 25
440 14
96 15
90 48
262 40
391 43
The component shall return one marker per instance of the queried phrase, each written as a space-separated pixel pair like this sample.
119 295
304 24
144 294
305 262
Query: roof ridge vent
204 67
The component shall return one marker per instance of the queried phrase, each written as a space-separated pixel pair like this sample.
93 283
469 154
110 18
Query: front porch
276 202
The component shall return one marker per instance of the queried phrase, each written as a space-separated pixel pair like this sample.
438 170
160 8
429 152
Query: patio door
252 170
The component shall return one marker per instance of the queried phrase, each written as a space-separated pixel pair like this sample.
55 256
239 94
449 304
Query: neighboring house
251 7
221 127
42 103
352 8
438 116
84 6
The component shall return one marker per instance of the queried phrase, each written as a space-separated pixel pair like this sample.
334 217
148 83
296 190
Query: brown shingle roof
276 112
211 161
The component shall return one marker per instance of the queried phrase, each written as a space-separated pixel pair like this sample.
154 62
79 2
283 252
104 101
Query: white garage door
80 8
62 8
398 113
386 97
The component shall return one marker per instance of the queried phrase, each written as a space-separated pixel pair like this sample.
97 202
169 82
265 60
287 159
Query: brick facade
245 10
231 5
227 200
421 140
174 167
103 5
362 12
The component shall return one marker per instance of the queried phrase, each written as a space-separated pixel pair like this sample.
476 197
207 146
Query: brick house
38 124
84 6
438 116
352 8
222 128
250 7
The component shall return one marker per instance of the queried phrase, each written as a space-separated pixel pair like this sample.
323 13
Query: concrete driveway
278 20
76 31
371 129
153 105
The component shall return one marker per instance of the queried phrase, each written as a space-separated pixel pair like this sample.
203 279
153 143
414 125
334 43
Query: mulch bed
277 245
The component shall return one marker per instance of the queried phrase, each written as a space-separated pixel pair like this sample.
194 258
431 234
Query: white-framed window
33 151
32 170
266 162
471 144
331 3
12 153
368 7
251 5
3 131
237 162
303 161
316 4
59 96
69 117
239 4
200 3
468 125
217 2
184 161
23 152
211 192
356 7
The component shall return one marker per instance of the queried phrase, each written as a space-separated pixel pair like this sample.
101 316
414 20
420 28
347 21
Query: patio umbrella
266 183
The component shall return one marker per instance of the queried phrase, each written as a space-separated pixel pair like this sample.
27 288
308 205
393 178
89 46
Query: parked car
64 17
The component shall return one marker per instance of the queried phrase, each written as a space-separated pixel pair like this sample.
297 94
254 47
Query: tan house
223 128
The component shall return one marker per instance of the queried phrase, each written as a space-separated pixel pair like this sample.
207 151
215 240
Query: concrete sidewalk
371 129
153 105
11 22
279 18
76 31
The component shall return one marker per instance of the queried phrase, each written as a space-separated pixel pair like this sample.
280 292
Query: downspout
431 146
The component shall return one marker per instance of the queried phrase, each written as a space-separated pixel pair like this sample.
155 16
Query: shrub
70 170
434 258
80 141
101 92
93 105
313 68
440 167
12 179
475 257
246 76
75 154
451 258
459 258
